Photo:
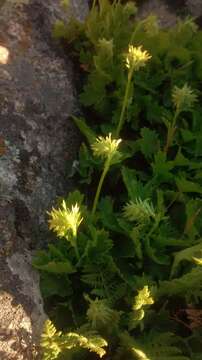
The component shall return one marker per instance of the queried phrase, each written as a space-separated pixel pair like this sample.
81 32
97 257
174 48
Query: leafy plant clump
124 278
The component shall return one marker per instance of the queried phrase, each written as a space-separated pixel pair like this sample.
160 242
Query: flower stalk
65 222
171 131
106 148
94 4
100 184
74 243
135 59
125 103
183 100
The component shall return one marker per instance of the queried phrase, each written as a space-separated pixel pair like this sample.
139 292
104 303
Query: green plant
135 59
126 268
55 342
108 149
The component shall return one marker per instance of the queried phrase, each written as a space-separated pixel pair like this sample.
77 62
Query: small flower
151 26
99 312
135 318
106 147
130 9
64 220
198 261
136 57
187 26
106 49
183 98
139 211
143 298
65 4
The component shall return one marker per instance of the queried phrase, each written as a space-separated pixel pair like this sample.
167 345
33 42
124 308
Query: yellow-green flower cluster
106 147
136 58
143 298
99 313
183 98
138 211
198 261
65 220
151 26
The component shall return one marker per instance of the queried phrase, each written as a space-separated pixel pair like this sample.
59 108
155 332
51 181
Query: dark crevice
22 220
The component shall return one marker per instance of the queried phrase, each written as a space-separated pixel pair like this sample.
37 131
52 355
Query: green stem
104 173
73 314
171 131
104 286
76 251
83 255
74 244
177 111
135 31
173 201
154 227
125 103
73 241
93 6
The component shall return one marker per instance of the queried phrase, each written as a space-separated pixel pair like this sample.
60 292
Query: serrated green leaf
187 135
149 142
187 186
162 167
134 187
181 160
107 216
154 346
53 284
103 60
56 267
85 129
69 31
193 212
186 254
74 197
94 92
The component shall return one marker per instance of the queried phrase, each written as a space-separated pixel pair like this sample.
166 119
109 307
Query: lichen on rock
39 144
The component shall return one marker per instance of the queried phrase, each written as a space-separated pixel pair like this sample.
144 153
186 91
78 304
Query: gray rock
194 7
159 8
169 11
38 143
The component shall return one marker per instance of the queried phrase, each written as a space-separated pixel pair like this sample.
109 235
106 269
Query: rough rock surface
37 145
194 7
169 11
165 16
